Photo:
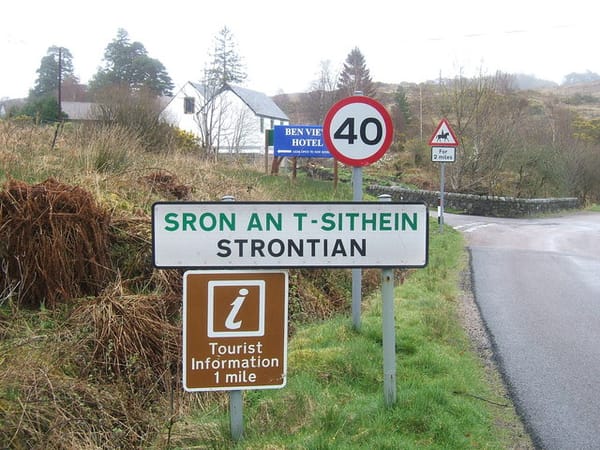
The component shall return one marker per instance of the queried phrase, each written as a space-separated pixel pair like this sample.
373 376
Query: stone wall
478 205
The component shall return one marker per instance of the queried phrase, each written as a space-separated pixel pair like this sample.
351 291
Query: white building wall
240 130
174 112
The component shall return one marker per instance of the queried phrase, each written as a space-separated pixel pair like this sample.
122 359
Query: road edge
506 415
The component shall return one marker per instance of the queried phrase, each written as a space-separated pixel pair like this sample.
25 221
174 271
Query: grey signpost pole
442 180
357 196
443 143
236 414
357 188
345 130
389 330
236 400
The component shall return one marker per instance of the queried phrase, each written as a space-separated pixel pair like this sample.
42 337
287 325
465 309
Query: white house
7 104
234 119
78 111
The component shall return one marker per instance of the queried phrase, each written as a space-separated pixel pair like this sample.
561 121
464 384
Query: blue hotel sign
299 140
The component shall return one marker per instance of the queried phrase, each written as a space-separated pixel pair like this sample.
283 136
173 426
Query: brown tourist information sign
234 330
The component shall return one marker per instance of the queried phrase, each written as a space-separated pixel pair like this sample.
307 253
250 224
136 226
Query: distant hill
583 98
530 82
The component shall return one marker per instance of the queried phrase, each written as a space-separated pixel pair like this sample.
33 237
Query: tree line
126 66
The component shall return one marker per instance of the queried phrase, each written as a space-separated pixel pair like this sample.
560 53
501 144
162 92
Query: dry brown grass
130 337
103 373
53 242
54 411
167 184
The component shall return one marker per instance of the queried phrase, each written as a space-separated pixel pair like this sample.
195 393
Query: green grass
334 395
302 188
594 208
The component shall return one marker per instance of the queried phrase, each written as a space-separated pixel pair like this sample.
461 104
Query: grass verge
594 208
334 395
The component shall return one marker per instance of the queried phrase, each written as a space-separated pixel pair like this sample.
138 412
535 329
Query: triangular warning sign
443 136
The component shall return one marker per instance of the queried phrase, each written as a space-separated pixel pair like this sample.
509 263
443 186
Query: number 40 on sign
358 130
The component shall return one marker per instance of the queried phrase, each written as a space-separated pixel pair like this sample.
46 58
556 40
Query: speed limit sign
358 130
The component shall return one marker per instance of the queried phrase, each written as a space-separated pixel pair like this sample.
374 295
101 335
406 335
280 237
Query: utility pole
59 95
59 83
421 109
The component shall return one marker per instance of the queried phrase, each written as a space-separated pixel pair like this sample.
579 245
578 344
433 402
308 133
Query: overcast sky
282 43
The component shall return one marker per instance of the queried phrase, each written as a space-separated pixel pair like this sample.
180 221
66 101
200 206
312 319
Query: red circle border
387 141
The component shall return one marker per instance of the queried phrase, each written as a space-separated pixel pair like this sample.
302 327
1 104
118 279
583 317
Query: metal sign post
236 415
234 334
236 399
357 131
443 149
389 330
357 189
442 181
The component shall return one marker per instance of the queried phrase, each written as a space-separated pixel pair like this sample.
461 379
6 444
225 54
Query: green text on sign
270 234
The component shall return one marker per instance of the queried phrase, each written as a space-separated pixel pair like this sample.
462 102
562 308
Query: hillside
583 98
529 143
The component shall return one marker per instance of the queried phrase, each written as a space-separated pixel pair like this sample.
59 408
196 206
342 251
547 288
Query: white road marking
470 227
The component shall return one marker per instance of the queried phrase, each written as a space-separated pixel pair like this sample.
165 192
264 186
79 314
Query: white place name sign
271 234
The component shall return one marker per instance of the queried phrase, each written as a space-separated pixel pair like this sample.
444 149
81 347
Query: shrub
53 242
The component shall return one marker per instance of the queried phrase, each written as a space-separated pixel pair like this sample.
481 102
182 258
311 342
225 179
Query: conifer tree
225 67
226 64
47 80
127 64
355 76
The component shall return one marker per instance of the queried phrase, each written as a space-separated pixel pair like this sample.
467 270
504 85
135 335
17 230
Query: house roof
260 103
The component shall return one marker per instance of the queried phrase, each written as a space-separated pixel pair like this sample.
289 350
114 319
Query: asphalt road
537 284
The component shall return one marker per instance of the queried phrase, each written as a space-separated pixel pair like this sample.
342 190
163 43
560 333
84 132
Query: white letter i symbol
230 322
